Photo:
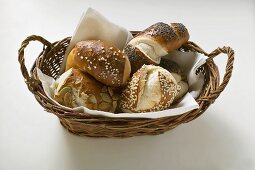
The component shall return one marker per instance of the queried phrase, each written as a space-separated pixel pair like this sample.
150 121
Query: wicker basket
49 61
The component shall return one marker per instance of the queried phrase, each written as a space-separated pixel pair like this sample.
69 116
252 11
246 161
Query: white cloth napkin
94 26
190 62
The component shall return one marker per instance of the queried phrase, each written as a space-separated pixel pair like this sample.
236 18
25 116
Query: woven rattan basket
49 61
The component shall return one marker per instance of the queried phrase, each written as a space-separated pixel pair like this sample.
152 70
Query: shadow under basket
50 59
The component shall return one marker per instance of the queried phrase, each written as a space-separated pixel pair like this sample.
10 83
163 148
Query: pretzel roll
151 88
184 89
137 58
177 73
105 63
173 68
154 42
75 88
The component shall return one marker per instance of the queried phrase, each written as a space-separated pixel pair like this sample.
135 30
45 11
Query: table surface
222 138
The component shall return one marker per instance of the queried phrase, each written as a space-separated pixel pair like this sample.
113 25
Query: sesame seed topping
129 97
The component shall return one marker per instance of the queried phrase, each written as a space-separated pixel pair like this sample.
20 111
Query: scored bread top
80 89
151 88
137 58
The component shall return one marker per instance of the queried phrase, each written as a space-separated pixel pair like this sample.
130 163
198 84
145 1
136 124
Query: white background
222 138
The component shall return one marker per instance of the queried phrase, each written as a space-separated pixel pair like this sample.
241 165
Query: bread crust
137 58
81 89
131 96
178 74
105 63
171 66
170 36
161 38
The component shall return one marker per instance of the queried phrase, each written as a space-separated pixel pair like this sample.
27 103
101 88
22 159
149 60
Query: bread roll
173 68
184 89
177 73
105 63
154 42
75 88
151 88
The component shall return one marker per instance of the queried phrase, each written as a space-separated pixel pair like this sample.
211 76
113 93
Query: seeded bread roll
151 88
184 89
75 88
137 58
177 73
105 63
173 68
154 42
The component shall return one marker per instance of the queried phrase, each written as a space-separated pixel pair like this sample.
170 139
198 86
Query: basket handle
29 80
214 94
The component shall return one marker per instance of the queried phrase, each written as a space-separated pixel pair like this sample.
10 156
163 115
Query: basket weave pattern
50 59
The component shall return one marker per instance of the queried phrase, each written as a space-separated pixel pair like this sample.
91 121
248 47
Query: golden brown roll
154 42
152 88
105 63
75 88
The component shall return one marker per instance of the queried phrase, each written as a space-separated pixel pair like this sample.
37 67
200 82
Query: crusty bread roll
137 58
154 42
75 88
184 89
177 73
151 88
173 68
107 64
